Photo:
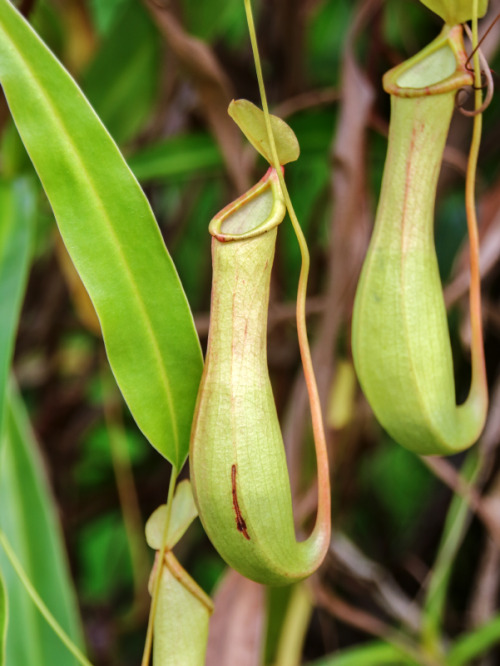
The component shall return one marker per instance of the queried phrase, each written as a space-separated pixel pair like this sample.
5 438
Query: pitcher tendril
479 380
484 71
324 499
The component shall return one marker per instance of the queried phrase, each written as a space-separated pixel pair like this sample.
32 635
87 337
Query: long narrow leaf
457 522
111 235
17 210
177 157
468 647
373 654
122 80
4 610
29 520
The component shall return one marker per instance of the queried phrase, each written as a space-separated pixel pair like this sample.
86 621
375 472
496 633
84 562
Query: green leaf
455 11
181 620
111 236
402 488
230 25
277 601
373 654
29 520
469 646
15 160
250 120
455 528
4 619
177 157
101 540
104 13
122 80
184 511
193 246
294 629
327 29
17 211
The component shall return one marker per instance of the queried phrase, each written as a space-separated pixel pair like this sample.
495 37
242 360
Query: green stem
324 499
454 531
37 600
157 579
293 633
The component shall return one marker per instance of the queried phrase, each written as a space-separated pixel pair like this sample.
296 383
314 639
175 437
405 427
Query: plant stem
455 528
322 524
157 579
479 381
37 600
293 633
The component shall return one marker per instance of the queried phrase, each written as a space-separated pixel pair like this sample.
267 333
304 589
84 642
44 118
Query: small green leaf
184 511
181 620
4 618
454 12
112 237
17 212
250 120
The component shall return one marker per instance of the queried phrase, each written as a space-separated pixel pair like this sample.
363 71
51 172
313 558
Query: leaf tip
251 121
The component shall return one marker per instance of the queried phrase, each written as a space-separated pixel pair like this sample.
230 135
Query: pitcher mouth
257 211
437 69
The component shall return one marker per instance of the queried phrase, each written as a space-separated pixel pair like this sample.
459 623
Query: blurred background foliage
414 562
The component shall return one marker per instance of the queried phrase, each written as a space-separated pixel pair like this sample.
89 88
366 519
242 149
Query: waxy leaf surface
111 235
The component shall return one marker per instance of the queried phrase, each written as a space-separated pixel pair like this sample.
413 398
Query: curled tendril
486 76
487 32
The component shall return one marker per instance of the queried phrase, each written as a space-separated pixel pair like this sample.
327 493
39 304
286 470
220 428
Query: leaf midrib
109 228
